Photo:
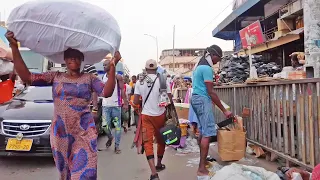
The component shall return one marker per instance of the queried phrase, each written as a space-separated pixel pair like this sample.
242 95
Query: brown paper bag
231 144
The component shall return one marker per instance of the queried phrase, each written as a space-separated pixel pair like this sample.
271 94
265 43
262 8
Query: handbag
171 132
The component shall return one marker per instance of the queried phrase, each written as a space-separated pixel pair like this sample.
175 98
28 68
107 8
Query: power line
214 18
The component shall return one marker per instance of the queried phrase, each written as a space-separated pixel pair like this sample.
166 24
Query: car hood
28 110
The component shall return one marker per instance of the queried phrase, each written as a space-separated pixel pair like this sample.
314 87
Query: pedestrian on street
92 69
73 135
135 112
202 100
152 115
127 116
111 108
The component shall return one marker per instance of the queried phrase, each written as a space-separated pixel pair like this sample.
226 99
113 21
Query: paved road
126 166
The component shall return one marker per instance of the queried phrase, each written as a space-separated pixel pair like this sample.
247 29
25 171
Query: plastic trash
51 27
296 176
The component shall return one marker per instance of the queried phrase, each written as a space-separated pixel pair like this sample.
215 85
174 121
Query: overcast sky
157 17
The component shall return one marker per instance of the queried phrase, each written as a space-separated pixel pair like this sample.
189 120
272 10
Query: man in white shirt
152 115
111 109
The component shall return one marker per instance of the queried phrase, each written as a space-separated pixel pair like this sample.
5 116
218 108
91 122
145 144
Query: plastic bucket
6 91
184 129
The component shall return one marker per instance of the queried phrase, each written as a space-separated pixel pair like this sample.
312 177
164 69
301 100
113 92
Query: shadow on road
26 161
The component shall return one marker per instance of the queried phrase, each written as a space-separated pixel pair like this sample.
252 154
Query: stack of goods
235 69
265 69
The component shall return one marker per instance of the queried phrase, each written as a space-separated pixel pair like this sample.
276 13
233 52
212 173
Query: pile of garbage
235 69
265 68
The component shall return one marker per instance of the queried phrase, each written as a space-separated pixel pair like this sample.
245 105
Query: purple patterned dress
73 134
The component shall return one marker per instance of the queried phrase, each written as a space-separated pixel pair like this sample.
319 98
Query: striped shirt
90 69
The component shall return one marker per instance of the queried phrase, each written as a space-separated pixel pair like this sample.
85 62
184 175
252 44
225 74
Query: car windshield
33 93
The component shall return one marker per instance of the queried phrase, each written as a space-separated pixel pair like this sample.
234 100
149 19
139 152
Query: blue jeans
112 115
203 108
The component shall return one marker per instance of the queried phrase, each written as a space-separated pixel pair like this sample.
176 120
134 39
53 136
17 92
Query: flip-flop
125 129
208 177
160 168
211 159
109 142
154 177
117 151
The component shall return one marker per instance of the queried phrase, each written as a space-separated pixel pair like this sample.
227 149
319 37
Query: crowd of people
74 136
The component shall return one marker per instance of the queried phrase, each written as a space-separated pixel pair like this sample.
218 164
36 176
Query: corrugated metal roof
236 13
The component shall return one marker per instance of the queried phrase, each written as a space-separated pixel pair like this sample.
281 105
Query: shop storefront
280 104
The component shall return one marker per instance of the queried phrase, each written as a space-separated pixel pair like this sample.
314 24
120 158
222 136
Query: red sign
252 35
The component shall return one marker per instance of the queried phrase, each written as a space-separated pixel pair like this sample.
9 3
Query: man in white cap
152 115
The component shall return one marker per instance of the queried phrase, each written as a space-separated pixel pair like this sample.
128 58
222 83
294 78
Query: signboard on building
252 35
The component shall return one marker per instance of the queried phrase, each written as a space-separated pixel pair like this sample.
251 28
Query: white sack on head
51 27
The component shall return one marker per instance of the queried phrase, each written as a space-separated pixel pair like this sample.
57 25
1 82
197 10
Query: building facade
282 28
184 60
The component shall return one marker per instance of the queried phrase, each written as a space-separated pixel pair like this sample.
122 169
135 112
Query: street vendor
295 63
202 100
74 130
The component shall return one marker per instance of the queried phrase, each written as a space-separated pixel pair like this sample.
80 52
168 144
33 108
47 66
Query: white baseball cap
151 64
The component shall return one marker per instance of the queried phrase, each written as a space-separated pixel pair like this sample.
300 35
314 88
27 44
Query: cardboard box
297 75
285 24
281 33
231 144
182 110
296 6
299 22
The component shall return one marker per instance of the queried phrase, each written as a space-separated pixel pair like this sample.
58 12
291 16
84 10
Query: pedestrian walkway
125 166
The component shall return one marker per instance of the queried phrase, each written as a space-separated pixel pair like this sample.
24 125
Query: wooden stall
283 118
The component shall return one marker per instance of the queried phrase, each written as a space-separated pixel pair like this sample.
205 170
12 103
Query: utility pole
174 31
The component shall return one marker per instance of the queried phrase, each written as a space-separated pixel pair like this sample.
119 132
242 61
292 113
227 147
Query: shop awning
245 10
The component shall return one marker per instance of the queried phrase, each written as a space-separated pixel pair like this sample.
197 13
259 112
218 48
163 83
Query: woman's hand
10 36
117 57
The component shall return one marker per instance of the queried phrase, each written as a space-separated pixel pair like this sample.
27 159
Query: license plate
16 145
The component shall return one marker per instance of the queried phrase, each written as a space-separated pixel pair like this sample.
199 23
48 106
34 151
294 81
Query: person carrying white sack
73 134
75 37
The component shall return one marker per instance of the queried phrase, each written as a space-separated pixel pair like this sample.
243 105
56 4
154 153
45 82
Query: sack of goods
51 27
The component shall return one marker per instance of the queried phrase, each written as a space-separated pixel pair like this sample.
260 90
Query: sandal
207 177
211 159
160 168
154 177
109 142
117 150
125 129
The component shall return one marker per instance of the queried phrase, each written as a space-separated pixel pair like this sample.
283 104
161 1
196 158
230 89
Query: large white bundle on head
50 27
